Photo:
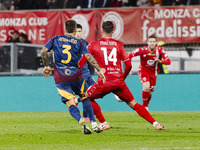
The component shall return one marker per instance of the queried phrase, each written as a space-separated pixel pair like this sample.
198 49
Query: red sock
145 98
141 110
97 112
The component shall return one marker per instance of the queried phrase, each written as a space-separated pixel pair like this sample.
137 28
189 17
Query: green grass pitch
58 130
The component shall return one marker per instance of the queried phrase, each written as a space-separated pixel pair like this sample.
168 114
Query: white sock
155 124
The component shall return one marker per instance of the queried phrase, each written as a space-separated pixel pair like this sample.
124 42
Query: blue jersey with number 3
66 53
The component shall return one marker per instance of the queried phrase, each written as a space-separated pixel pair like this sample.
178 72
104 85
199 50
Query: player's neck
151 49
107 35
70 34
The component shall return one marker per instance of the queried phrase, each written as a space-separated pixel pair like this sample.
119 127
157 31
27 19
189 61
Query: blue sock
74 111
84 115
87 108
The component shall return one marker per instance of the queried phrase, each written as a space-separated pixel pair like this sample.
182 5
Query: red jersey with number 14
109 53
147 63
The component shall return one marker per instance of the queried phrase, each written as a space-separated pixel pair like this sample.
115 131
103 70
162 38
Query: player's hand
157 60
101 75
47 71
130 73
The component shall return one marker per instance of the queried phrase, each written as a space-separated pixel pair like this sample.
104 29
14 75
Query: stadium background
178 90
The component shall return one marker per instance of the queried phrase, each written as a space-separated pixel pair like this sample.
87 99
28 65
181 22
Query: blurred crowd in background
84 4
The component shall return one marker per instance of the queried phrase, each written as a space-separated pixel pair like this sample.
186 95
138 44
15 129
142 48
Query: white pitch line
170 148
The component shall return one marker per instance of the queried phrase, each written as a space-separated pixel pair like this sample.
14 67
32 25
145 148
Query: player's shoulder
160 49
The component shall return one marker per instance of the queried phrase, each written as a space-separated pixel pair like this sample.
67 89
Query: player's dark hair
79 26
70 26
107 26
152 36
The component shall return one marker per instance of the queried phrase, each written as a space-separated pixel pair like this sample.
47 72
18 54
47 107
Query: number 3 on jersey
66 51
112 57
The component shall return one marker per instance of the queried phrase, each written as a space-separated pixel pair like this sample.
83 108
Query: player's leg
145 80
125 95
98 114
146 94
87 107
67 97
99 91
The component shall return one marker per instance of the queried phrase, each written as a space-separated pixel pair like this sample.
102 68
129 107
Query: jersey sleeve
165 57
84 49
90 48
134 53
126 60
49 44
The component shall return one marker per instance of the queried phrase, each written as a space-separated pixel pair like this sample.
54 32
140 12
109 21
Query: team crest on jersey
144 78
150 62
67 72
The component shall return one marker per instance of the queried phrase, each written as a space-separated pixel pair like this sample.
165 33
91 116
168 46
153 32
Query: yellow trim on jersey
53 56
65 94
82 87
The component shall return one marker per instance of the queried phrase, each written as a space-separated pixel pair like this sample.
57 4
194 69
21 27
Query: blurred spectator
131 3
155 3
15 37
4 58
78 4
2 7
8 4
55 4
26 55
193 2
162 67
179 2
31 4
143 3
167 3
107 3
23 38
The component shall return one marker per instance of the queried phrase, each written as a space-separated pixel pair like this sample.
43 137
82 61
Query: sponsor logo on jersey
117 20
150 62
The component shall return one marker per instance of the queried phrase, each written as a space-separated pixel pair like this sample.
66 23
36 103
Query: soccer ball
117 98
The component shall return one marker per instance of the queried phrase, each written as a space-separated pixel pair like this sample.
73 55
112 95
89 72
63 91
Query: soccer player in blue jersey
90 81
67 74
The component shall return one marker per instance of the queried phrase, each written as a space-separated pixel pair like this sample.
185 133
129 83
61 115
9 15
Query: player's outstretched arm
47 69
94 63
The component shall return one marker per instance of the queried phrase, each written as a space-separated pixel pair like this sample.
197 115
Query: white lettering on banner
171 13
32 34
3 36
176 30
145 14
12 22
42 36
38 21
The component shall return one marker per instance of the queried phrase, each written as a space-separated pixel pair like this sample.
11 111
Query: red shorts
146 77
99 90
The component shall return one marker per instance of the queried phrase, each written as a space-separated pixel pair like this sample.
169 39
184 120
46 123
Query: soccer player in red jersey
109 53
90 81
149 59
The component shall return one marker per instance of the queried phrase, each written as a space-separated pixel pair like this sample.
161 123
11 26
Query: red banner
86 18
39 25
132 25
170 24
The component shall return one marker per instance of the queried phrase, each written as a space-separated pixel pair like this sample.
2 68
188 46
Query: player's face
78 33
152 43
